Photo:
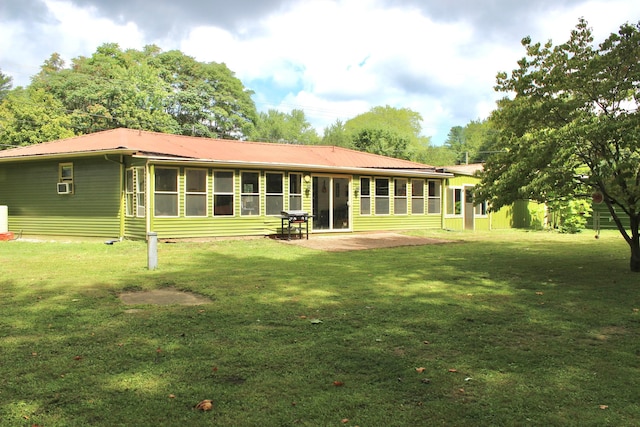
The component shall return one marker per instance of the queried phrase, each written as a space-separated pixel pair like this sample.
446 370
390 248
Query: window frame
417 199
199 194
456 206
135 200
292 194
379 198
216 193
434 198
254 194
157 192
365 195
273 195
398 196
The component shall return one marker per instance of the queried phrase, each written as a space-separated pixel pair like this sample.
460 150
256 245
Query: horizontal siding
606 219
396 222
135 228
29 190
215 227
64 226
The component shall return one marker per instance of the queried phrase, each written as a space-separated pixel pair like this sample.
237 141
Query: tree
389 131
473 142
30 116
6 82
381 141
275 126
336 134
572 127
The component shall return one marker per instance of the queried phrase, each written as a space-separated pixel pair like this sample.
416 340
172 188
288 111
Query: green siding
28 188
606 220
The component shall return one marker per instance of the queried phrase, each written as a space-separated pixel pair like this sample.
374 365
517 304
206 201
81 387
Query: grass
511 328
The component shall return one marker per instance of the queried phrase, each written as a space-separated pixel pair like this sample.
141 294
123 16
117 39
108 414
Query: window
223 193
382 196
481 209
195 192
65 172
250 193
295 191
274 199
454 201
417 196
135 200
400 196
434 197
365 196
65 178
166 192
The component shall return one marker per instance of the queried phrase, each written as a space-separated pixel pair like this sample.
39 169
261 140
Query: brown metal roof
168 146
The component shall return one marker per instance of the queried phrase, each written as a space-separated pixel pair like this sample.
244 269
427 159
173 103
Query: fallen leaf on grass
344 420
315 321
338 383
635 310
604 406
205 405
426 380
426 342
77 358
539 293
453 370
172 396
303 316
420 370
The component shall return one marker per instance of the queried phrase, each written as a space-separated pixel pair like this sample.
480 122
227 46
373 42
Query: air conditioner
65 187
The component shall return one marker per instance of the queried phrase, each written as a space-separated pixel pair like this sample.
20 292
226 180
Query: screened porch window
295 191
250 193
274 199
135 199
223 193
382 196
434 195
400 196
417 196
365 196
166 192
195 195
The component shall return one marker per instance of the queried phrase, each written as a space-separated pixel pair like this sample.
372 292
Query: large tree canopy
293 128
572 127
166 92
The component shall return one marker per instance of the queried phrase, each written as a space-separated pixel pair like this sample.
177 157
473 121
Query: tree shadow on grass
507 335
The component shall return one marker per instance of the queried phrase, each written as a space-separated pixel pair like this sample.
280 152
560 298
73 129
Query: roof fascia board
57 156
294 166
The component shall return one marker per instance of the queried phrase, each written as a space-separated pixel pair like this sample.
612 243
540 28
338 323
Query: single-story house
125 183
461 213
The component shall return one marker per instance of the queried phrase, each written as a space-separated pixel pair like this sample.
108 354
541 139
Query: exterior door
331 203
469 210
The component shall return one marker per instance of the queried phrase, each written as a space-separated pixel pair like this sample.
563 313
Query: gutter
299 166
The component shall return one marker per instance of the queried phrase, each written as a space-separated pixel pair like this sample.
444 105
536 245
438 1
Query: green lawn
511 328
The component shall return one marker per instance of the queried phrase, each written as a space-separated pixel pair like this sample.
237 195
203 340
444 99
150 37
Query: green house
126 183
462 213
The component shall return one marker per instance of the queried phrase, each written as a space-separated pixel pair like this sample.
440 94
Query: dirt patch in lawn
167 296
362 241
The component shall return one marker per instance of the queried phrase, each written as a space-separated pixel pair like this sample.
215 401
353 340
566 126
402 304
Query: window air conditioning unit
65 187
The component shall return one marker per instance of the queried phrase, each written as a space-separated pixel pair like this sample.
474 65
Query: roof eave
301 166
55 156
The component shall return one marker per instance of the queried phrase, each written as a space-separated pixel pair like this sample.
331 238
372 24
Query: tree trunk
634 264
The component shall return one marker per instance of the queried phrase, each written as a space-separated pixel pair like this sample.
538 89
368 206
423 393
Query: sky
333 59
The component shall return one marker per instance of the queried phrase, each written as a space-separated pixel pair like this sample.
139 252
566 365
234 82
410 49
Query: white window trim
197 193
281 194
405 197
423 197
388 196
371 181
177 192
215 193
256 193
290 193
446 202
429 198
